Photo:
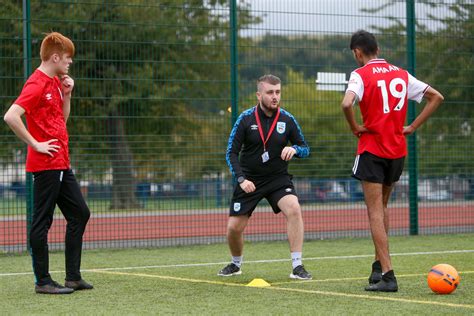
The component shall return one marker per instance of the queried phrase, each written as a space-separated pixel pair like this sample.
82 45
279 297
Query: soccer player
382 91
261 135
46 102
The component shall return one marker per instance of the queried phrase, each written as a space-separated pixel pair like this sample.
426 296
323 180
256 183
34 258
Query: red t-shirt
383 91
42 100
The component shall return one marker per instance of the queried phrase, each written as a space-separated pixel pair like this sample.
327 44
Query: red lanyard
260 130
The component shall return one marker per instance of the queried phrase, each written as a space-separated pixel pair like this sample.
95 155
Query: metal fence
159 84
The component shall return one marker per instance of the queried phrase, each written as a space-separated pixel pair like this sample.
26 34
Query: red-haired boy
46 102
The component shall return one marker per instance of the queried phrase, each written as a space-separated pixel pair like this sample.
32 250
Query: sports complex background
159 84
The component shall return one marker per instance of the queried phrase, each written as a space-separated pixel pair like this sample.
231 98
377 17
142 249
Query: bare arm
14 121
66 107
434 99
67 85
346 105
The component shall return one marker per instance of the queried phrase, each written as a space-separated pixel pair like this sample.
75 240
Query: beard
269 107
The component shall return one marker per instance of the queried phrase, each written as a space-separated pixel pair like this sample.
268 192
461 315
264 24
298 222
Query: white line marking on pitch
356 278
185 265
327 293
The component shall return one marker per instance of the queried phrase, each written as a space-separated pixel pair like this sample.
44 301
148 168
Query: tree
144 74
304 54
11 71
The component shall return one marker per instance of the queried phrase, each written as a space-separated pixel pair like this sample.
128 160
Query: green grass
337 287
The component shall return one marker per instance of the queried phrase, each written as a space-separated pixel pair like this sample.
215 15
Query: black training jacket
245 140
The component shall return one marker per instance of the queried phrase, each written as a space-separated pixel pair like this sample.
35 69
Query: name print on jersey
384 70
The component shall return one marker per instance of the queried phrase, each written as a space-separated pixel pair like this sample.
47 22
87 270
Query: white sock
296 259
237 260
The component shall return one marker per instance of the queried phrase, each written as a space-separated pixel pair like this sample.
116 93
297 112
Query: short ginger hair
56 43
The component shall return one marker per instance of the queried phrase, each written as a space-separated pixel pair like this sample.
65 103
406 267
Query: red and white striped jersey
383 91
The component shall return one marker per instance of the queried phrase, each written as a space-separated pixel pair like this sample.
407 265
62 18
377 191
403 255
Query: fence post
233 62
26 74
218 186
412 151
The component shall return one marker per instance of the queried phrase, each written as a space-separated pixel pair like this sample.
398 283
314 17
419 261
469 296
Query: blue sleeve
297 138
234 146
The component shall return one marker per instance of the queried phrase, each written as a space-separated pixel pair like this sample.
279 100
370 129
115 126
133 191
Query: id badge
265 157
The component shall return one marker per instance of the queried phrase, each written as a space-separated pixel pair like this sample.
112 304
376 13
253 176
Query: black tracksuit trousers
51 188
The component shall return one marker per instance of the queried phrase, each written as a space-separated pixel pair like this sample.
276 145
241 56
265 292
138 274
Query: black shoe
78 285
300 273
52 288
229 270
376 275
387 284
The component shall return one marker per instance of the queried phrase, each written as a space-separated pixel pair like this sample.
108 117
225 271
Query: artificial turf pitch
183 280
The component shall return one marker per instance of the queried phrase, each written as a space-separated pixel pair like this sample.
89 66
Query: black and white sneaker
230 270
300 273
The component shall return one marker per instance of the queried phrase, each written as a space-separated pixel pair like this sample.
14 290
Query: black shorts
371 168
271 189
